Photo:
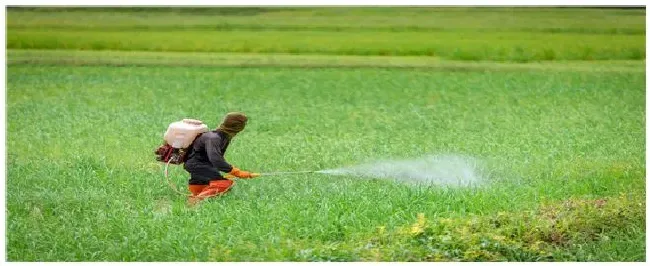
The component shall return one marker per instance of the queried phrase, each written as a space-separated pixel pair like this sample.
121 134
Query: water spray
447 169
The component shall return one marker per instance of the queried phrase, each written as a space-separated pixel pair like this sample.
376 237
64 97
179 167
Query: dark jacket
208 151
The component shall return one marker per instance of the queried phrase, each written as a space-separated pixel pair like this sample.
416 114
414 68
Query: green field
337 19
514 34
561 142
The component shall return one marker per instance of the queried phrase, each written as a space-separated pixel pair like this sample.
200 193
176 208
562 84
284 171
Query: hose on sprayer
170 183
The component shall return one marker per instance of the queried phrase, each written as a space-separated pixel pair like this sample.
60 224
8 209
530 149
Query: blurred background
517 34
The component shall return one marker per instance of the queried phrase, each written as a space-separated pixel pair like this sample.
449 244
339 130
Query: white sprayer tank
181 134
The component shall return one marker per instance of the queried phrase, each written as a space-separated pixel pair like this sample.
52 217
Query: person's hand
242 174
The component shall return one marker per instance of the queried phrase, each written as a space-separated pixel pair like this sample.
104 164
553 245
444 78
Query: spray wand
229 176
289 173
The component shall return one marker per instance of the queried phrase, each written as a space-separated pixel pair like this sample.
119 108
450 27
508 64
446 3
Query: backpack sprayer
178 140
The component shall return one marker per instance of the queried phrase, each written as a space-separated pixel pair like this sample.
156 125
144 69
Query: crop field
560 141
452 33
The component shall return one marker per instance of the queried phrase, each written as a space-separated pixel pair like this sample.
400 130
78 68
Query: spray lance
229 176
288 173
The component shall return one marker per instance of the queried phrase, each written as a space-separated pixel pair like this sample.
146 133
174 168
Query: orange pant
215 188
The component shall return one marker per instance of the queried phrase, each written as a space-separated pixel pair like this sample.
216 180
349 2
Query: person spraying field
205 160
202 152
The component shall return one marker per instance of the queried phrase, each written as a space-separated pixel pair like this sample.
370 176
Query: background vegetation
551 101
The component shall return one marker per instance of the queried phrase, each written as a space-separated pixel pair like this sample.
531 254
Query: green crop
549 101
82 183
506 34
491 19
137 58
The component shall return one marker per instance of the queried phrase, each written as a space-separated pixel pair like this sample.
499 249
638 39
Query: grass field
561 143
515 34
538 19
133 58
88 188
